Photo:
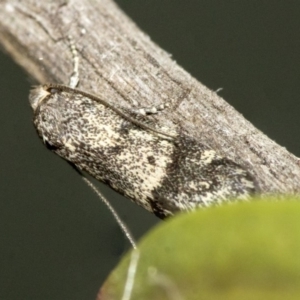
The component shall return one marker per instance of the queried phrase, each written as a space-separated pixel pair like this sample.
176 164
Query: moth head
37 95
47 115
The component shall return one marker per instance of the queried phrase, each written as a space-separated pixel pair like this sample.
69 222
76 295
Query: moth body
162 175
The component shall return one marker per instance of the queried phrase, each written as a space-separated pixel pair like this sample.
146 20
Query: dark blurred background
57 241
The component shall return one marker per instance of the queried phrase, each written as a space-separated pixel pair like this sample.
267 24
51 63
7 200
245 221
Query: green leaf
242 251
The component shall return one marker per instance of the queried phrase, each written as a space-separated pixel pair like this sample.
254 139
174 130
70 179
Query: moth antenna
134 259
74 79
135 254
113 211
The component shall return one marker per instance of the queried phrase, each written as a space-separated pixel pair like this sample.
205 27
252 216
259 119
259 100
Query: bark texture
120 62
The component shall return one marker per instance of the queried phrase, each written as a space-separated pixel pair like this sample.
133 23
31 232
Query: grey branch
121 63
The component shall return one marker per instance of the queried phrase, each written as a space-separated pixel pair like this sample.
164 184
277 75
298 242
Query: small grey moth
162 172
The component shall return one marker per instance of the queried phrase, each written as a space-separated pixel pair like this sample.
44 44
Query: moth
164 173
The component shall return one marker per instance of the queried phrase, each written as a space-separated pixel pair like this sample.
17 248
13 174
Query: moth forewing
163 173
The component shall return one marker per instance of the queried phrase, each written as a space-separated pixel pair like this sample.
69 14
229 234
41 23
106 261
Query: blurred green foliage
243 251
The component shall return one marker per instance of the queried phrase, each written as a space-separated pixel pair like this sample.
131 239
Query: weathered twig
122 64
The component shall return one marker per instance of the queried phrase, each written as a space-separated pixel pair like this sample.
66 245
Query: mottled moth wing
161 172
